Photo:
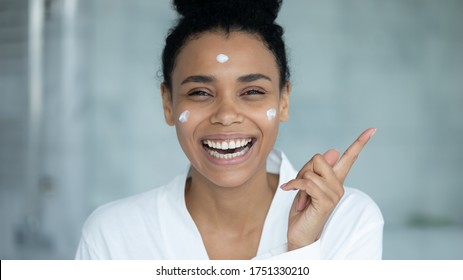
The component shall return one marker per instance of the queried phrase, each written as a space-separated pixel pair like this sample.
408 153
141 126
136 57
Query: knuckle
317 157
306 175
351 155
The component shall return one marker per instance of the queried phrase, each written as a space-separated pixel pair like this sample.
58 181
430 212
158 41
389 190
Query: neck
238 210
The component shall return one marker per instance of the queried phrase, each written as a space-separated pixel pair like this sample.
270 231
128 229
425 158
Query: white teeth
228 156
225 145
231 145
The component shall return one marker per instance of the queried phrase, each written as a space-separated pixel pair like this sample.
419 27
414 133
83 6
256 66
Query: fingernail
373 133
284 185
367 134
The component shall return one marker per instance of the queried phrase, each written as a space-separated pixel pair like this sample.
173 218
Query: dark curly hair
252 16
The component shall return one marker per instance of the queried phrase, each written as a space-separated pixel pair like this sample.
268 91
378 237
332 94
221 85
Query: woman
226 88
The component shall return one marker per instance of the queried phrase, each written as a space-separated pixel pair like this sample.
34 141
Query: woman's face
234 106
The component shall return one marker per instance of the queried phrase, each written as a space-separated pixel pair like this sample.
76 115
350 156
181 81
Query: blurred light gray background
81 121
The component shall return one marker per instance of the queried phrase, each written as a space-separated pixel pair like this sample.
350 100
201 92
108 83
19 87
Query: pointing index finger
342 168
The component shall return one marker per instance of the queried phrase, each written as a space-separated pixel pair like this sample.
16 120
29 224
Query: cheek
266 119
267 115
271 114
186 122
184 116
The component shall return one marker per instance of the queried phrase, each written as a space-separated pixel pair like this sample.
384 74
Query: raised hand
320 184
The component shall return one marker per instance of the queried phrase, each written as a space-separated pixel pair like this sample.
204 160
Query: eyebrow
199 79
253 77
209 79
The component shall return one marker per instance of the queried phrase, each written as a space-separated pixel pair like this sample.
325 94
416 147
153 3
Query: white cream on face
222 58
271 114
183 118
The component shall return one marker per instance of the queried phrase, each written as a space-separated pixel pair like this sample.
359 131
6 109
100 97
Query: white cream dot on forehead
183 118
271 114
222 58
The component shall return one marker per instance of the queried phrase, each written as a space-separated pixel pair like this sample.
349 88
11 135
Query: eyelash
203 93
253 92
199 93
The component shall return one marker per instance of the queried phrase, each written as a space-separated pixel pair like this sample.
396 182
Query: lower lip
231 161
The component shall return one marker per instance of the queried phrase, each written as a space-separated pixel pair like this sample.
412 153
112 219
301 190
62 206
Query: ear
284 102
167 105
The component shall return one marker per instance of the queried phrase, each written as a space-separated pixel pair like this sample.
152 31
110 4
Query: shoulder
129 211
118 212
357 203
354 229
355 214
135 227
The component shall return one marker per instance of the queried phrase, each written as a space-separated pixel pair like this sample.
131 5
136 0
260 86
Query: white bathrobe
157 225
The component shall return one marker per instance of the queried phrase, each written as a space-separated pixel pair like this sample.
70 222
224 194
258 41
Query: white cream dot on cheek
183 118
222 58
271 114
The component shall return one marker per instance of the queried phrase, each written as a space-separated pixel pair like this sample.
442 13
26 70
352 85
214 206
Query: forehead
246 52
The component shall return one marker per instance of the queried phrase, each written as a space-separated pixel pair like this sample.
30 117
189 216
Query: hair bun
189 8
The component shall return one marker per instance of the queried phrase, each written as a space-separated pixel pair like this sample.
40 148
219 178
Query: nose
227 112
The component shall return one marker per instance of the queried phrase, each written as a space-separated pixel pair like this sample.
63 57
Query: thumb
331 156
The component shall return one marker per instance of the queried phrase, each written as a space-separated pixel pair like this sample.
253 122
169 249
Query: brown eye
199 93
253 92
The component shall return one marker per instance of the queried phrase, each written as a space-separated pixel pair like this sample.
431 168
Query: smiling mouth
228 149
